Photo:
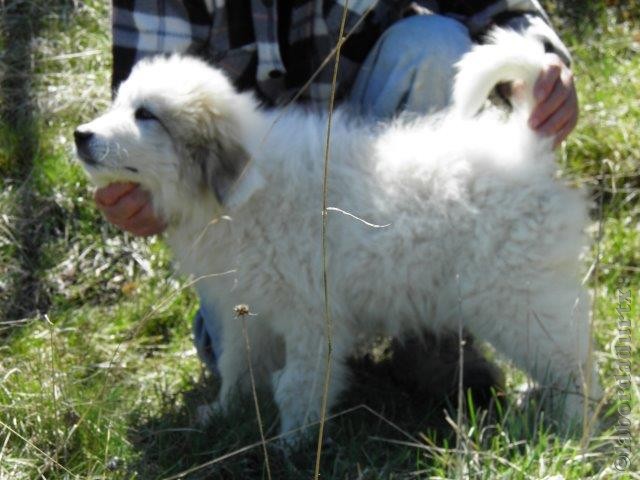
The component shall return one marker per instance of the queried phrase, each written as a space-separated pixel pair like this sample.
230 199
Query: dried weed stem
325 283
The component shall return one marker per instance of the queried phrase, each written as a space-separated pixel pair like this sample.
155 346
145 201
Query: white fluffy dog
471 224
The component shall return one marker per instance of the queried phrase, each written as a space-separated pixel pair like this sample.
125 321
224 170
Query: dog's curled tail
508 56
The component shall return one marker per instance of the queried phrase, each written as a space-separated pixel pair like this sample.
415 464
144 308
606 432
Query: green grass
98 376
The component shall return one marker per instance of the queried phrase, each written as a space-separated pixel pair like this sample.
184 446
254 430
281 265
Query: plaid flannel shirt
277 56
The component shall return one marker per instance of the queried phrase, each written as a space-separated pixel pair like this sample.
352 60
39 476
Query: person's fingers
548 77
561 92
564 115
513 90
110 194
144 222
126 206
564 132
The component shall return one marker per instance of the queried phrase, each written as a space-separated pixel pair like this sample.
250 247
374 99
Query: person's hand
128 207
556 112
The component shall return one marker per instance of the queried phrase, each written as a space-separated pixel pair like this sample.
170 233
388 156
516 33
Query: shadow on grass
21 22
399 397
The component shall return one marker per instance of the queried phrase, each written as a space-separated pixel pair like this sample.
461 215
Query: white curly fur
478 226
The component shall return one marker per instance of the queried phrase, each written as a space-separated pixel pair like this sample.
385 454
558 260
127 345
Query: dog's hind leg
543 326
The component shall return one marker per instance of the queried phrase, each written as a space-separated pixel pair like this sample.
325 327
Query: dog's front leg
298 387
234 373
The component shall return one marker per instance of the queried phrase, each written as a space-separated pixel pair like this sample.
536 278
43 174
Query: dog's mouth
89 161
86 157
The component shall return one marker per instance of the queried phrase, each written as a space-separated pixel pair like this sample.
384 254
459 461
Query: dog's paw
294 441
580 413
204 413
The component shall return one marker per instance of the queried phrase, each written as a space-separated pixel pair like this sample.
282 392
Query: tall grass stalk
242 311
325 217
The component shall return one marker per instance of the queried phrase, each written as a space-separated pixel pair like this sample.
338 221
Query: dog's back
469 221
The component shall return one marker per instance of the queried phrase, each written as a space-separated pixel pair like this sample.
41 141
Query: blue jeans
410 69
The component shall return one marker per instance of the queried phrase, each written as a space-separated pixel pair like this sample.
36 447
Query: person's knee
434 39
411 68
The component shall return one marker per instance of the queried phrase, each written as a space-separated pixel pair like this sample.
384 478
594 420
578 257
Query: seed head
241 310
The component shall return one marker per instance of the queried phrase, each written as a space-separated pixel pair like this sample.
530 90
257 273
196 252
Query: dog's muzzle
83 139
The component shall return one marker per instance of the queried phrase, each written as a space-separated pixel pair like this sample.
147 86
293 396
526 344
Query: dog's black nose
83 147
82 136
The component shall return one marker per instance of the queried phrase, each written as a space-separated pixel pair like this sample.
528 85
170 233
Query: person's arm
556 113
141 29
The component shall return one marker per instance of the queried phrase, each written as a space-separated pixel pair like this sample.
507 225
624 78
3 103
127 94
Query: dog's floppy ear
214 124
222 165
221 162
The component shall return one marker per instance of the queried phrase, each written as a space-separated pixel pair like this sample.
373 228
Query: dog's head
177 127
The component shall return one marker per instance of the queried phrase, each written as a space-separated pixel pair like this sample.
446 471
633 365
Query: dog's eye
142 113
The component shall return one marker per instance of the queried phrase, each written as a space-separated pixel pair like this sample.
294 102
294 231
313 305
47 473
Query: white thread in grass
368 224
